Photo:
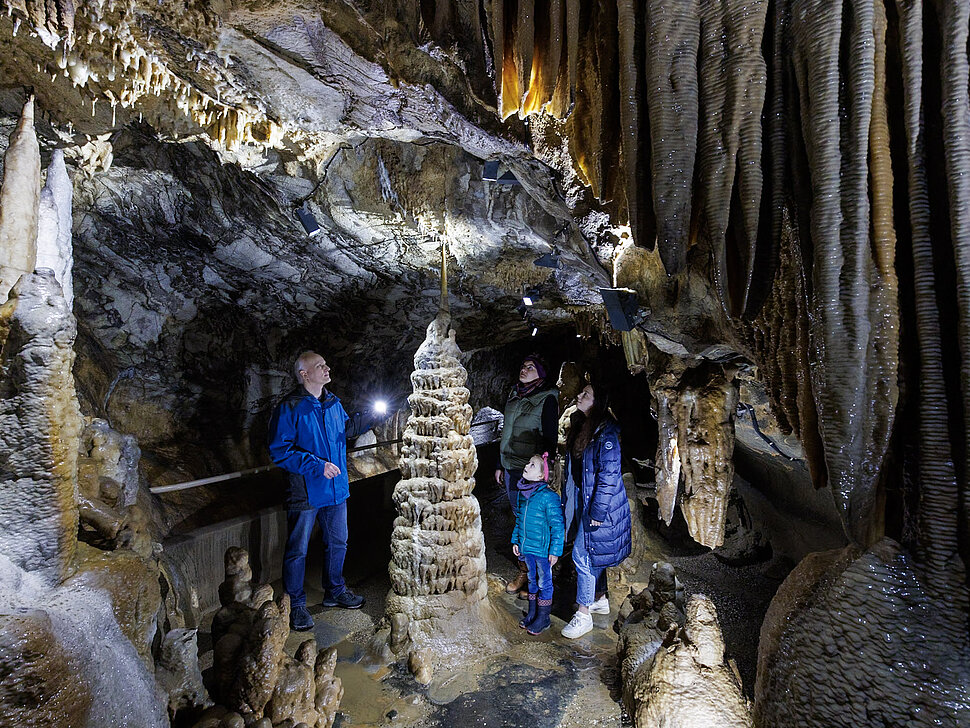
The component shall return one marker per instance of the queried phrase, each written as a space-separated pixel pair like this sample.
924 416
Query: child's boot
531 614
541 622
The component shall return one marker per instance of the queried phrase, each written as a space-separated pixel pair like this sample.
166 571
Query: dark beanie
539 362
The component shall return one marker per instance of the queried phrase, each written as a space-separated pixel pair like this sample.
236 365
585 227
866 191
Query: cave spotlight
535 330
308 221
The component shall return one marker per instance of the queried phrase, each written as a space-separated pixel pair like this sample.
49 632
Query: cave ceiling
197 134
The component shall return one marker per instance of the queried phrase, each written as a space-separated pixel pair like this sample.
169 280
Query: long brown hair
583 426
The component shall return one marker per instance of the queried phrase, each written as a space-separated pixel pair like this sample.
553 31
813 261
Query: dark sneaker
345 600
300 619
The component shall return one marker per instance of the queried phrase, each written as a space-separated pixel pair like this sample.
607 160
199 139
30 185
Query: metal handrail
251 471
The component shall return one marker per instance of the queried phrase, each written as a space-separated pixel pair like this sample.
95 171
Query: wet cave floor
537 682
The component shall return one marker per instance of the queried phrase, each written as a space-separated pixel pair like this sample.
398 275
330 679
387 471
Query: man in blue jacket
308 438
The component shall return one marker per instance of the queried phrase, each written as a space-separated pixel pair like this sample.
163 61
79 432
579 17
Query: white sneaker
579 625
600 606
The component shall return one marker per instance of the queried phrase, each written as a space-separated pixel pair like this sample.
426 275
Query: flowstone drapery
437 549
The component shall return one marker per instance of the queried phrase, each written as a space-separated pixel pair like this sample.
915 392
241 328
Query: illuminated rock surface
437 551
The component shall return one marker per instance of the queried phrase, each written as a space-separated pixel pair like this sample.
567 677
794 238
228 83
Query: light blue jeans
586 574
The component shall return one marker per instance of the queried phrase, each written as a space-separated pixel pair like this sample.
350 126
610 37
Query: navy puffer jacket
598 494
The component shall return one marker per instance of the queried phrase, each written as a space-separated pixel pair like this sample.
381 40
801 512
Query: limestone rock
254 678
54 221
108 489
39 674
696 420
867 631
65 660
132 585
437 548
421 666
19 200
177 671
39 429
688 683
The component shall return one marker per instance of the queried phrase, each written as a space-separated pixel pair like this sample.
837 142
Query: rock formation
19 199
689 149
54 221
696 421
39 442
77 622
673 666
437 550
256 680
859 637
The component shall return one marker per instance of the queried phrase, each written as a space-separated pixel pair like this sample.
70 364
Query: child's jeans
586 573
540 575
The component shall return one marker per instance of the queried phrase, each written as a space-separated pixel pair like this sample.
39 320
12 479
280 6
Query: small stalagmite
437 549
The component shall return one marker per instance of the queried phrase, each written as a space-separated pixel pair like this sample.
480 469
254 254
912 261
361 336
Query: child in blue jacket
538 538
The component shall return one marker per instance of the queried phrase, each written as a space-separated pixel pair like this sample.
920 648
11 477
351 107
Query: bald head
311 370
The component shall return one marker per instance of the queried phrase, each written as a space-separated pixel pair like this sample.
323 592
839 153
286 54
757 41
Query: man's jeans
540 575
333 529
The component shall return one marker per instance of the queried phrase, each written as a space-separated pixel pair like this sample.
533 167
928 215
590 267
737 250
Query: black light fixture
490 174
621 306
548 260
308 221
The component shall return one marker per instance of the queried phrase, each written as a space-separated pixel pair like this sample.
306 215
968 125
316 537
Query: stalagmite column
54 221
696 420
437 550
40 427
19 196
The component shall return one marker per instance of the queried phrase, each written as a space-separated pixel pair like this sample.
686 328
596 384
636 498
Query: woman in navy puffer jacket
595 500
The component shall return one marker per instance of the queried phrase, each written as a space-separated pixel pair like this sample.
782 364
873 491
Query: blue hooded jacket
539 528
306 433
598 494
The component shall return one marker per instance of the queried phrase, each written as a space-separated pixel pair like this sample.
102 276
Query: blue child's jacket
305 434
539 526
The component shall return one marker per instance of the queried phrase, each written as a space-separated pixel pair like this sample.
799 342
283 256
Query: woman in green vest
531 428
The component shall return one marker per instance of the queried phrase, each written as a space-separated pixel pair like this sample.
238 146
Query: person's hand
330 471
595 524
498 476
515 549
553 559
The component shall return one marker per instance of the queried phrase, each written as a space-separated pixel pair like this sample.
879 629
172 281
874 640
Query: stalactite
939 499
524 47
631 51
883 351
732 82
938 481
672 42
552 54
695 416
854 426
780 335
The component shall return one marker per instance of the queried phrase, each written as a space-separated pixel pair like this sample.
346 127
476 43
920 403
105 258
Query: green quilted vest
520 433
